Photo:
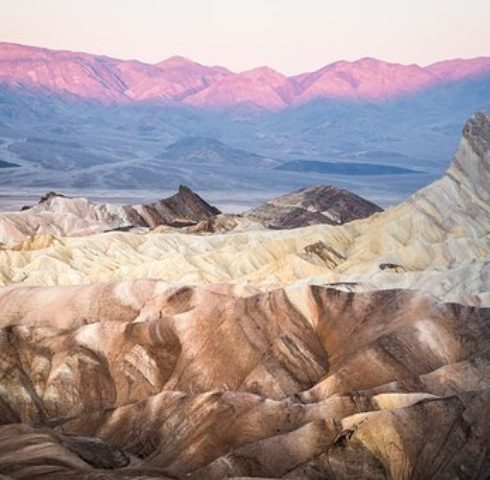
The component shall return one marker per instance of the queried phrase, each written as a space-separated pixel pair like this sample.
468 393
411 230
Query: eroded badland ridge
323 352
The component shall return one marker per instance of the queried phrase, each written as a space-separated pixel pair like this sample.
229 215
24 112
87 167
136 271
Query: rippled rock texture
437 241
327 352
217 382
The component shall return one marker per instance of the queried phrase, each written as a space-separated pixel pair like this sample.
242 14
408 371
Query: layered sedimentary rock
314 205
319 204
222 223
149 380
438 240
57 214
262 371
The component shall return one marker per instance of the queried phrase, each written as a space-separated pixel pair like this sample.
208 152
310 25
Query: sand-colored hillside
438 240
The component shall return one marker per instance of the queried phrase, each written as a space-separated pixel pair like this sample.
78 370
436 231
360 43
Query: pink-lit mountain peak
261 87
364 63
263 73
460 68
176 61
67 73
13 51
179 79
364 78
16 52
183 64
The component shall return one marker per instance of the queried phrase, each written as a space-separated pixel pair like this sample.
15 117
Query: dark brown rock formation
319 204
60 215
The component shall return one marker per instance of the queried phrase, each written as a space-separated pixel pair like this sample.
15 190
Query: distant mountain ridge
178 80
79 121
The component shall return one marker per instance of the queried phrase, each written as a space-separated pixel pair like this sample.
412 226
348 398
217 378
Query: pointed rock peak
184 192
187 203
477 133
470 167
50 195
185 189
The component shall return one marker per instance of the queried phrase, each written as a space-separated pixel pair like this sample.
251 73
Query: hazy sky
290 35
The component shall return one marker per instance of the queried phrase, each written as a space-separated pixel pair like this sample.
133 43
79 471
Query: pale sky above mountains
291 36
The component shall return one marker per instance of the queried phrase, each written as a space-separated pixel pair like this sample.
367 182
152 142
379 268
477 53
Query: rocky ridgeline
57 214
263 371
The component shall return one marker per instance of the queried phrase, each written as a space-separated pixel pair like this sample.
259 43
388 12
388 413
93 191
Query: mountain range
315 336
79 123
180 80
